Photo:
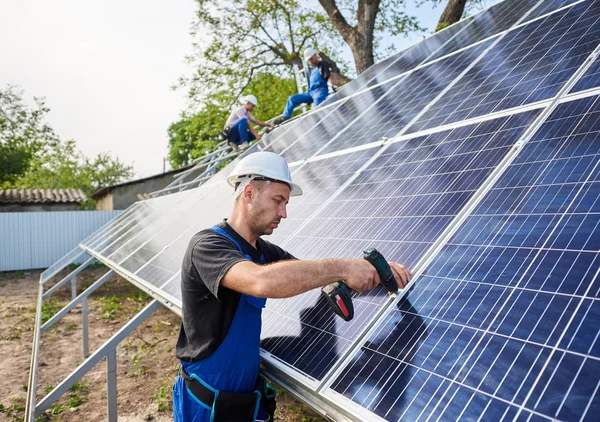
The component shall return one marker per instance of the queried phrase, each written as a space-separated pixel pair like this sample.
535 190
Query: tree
61 166
23 133
197 134
32 156
241 38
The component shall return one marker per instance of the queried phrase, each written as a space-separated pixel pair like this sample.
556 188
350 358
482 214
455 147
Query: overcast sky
106 68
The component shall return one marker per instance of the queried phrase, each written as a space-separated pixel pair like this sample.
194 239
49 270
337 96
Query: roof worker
238 131
318 80
225 281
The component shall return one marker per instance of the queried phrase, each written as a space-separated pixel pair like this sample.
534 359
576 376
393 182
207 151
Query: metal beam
95 358
81 298
68 278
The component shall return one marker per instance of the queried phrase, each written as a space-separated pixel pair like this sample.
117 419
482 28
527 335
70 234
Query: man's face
268 207
313 60
249 106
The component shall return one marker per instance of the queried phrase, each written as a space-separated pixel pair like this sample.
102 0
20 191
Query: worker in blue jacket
318 80
227 273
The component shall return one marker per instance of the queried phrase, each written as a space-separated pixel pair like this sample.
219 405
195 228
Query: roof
41 196
105 190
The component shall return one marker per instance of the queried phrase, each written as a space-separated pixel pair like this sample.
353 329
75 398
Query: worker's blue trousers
297 99
240 133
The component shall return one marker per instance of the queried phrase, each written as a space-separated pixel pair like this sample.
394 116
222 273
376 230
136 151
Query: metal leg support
111 384
84 328
73 287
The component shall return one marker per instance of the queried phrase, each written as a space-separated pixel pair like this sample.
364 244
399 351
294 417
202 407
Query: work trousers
240 132
297 99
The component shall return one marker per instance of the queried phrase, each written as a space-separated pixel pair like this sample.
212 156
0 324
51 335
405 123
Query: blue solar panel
400 203
401 62
400 104
494 20
503 324
312 137
548 6
590 79
529 64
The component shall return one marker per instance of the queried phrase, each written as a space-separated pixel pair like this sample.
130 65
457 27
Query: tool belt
226 131
233 407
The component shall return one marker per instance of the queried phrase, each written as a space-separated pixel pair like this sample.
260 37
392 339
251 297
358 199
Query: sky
106 69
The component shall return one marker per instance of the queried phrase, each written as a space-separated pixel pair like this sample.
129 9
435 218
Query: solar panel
529 64
401 202
502 324
396 107
591 79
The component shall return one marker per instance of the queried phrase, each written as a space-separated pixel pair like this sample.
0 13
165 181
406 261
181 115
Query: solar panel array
474 158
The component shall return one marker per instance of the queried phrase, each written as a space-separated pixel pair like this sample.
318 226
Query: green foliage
138 368
109 307
23 133
162 397
238 39
196 135
61 166
49 309
32 156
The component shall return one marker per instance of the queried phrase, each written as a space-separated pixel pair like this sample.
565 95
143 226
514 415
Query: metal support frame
107 349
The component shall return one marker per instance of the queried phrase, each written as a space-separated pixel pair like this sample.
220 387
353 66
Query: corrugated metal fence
31 240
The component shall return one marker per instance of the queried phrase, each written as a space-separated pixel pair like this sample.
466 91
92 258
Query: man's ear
248 193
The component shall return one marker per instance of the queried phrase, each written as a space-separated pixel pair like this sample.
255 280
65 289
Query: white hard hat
263 164
309 52
251 99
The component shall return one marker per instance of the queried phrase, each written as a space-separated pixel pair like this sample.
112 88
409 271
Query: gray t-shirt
207 307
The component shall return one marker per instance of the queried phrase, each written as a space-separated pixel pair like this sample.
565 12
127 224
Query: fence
31 240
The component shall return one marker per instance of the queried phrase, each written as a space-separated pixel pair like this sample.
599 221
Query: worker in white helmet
318 76
227 274
238 131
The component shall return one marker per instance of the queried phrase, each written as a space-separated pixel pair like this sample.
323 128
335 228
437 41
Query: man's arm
290 278
254 132
261 123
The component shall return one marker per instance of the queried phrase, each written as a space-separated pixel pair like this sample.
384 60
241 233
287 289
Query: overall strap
222 232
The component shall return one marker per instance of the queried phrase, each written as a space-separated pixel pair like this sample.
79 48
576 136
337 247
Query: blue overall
240 133
232 367
317 93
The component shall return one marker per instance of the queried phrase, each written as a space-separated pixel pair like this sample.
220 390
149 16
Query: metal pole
111 384
84 329
73 287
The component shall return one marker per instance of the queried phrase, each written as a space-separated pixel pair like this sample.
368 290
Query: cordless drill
339 295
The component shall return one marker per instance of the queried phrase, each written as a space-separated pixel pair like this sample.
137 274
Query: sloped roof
41 196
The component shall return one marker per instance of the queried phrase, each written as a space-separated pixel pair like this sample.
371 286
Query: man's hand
360 275
259 137
402 274
271 125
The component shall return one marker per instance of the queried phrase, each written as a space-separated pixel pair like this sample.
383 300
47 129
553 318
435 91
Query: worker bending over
238 131
228 271
318 77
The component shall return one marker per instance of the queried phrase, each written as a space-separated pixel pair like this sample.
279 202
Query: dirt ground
146 363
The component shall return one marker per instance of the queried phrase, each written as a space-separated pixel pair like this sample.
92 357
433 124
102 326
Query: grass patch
162 398
70 327
109 306
49 309
138 369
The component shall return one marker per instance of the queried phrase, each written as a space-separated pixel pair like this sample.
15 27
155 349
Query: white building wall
31 240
